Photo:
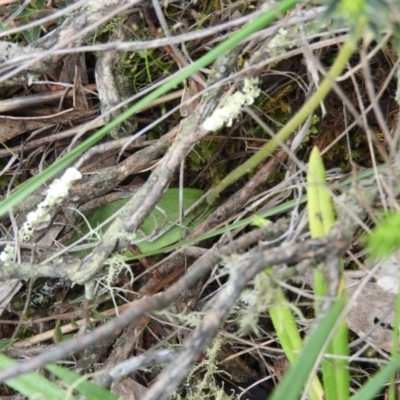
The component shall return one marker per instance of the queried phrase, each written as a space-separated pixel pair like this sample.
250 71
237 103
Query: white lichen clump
284 40
7 255
57 192
233 106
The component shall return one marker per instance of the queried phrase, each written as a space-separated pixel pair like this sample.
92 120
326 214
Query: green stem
308 108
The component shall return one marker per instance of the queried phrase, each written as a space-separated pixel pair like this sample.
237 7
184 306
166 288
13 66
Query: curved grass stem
308 108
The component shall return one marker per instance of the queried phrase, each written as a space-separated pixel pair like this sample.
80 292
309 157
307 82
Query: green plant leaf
32 35
57 336
33 385
6 343
321 217
320 207
38 4
99 316
289 335
84 387
292 384
281 208
163 217
385 237
376 383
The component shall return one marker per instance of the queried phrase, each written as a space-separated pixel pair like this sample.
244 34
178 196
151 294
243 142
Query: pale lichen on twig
233 106
57 192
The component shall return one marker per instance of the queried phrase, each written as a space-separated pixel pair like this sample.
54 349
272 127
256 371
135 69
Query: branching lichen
258 301
206 387
114 266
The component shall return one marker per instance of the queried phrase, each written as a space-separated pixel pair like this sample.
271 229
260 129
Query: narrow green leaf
321 216
320 209
289 336
6 343
376 383
292 384
99 316
33 385
32 35
57 336
320 206
84 387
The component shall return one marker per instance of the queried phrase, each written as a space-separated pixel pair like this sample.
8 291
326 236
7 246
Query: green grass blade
84 387
292 384
321 216
376 383
289 337
33 385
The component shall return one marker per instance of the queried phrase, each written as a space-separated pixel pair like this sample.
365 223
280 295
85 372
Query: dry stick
44 20
37 99
239 278
147 359
41 337
196 35
339 237
119 234
71 32
126 342
62 40
106 180
158 302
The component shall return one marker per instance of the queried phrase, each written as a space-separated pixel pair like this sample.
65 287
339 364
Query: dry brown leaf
372 314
